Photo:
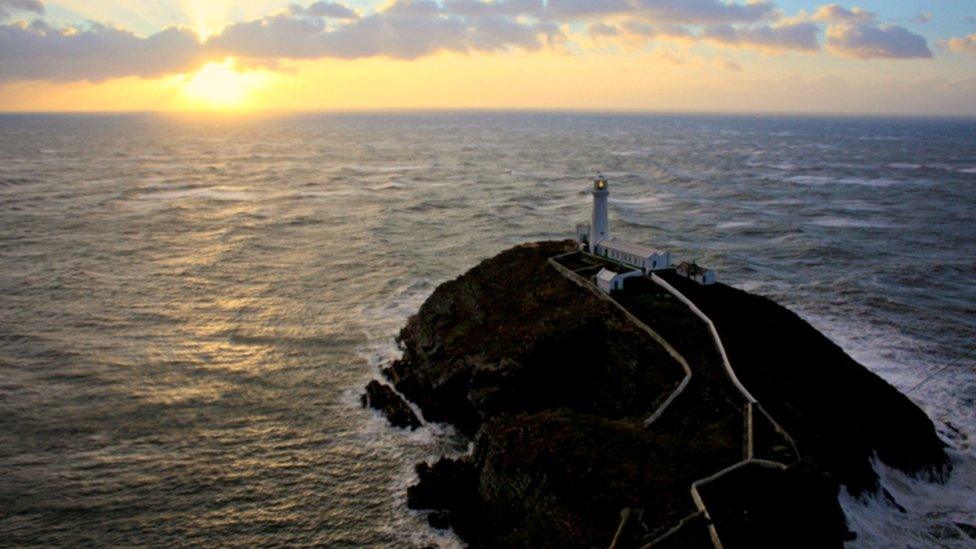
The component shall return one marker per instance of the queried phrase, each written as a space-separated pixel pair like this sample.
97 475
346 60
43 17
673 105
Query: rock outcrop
383 398
554 384
513 335
840 413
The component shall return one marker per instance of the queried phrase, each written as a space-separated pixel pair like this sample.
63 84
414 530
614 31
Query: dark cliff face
554 384
839 412
514 335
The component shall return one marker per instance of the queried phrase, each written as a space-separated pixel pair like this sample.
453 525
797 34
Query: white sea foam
881 138
968 170
386 317
647 203
811 179
867 182
386 169
618 176
431 440
932 511
556 205
735 224
330 194
860 206
392 185
850 223
428 443
904 166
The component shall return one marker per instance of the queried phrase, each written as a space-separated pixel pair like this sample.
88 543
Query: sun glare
222 86
206 16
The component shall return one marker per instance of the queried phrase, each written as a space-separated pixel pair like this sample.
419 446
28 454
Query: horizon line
246 113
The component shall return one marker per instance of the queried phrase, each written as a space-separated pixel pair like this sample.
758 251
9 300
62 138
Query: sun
222 86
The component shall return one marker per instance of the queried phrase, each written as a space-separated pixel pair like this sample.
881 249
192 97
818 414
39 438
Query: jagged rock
554 384
447 484
968 529
440 520
514 335
840 413
383 398
759 506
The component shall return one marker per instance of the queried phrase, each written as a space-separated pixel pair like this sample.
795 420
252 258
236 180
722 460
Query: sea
192 304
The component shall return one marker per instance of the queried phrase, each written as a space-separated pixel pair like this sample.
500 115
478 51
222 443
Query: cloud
668 57
602 30
696 12
923 17
640 29
330 10
857 33
498 33
476 8
582 9
965 44
834 13
802 36
407 29
704 12
96 52
8 6
414 8
867 40
729 64
279 36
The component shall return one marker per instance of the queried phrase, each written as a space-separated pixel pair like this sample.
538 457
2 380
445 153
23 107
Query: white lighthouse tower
594 237
599 226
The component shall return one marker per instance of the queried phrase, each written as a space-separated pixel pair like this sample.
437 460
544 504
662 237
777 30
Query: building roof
691 269
606 275
628 248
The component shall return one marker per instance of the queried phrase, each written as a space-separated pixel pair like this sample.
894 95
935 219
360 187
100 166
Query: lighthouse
594 237
599 227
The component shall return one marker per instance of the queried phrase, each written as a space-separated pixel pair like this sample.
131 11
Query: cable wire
940 370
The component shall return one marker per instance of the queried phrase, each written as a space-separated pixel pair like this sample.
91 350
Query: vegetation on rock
554 386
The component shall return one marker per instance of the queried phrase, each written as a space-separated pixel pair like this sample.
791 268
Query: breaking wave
190 317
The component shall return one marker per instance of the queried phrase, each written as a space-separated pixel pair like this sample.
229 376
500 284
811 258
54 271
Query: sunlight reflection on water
191 307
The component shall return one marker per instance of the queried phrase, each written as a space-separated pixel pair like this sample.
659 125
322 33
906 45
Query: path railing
588 286
715 337
751 403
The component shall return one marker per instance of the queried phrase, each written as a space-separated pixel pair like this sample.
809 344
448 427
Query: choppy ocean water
191 307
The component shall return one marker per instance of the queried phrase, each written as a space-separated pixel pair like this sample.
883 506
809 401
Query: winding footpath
588 286
751 404
751 401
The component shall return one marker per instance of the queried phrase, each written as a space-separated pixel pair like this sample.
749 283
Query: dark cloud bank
408 29
8 6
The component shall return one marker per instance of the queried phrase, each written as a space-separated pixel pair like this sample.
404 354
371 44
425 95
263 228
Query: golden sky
705 55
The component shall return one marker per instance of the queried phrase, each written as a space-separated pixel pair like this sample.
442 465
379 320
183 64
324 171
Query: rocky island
613 421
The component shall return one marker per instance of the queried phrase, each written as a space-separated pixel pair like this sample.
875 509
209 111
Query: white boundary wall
711 326
586 285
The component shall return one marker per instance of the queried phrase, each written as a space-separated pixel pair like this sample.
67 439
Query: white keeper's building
692 271
610 281
595 238
644 258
